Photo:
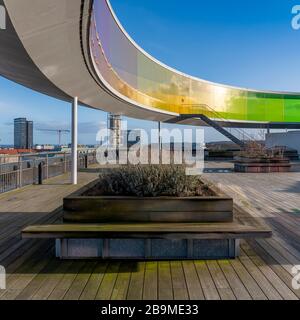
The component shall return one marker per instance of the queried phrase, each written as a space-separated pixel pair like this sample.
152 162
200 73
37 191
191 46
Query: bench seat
148 230
152 241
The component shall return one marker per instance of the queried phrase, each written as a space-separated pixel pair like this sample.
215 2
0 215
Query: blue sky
244 43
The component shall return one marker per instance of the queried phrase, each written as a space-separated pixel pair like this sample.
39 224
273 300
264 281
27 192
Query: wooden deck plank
51 281
80 281
278 264
12 247
267 287
20 262
207 282
165 289
39 280
65 283
192 281
136 284
151 281
250 284
235 283
123 280
180 291
283 245
28 274
220 281
93 284
13 278
280 254
277 282
108 282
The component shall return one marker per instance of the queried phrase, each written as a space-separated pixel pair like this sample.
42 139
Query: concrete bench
147 240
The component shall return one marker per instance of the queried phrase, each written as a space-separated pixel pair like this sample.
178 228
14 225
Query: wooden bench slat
186 230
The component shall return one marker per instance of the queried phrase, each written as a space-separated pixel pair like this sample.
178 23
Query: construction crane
58 131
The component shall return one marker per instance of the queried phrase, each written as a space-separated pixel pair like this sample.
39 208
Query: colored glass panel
138 77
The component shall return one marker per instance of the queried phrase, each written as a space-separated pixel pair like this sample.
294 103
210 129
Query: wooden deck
262 271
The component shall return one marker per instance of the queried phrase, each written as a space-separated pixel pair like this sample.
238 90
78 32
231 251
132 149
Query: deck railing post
74 140
65 163
86 161
33 171
20 172
40 173
47 166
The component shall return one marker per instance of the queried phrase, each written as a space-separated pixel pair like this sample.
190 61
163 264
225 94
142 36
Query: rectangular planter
101 209
262 167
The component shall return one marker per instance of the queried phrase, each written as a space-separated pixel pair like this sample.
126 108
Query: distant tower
29 142
20 133
23 133
114 124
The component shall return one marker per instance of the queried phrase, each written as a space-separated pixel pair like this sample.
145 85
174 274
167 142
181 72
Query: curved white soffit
50 32
182 73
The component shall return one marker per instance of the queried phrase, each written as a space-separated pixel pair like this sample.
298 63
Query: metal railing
18 171
239 133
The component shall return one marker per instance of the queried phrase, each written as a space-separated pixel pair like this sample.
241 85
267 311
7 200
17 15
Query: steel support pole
20 172
74 140
47 166
159 143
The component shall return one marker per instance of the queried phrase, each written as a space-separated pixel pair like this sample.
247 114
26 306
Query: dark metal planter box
147 249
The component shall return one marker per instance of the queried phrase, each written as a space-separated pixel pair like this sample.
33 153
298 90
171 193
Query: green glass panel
237 106
256 107
274 108
291 109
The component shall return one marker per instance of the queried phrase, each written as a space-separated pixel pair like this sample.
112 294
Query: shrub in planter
258 159
150 193
256 152
150 181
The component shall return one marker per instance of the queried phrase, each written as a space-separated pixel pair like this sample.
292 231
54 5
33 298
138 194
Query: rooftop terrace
263 271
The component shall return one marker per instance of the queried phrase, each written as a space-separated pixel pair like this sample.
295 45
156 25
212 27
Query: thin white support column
74 140
159 143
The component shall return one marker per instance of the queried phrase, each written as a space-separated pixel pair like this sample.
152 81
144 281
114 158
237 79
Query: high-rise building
29 142
23 133
20 133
